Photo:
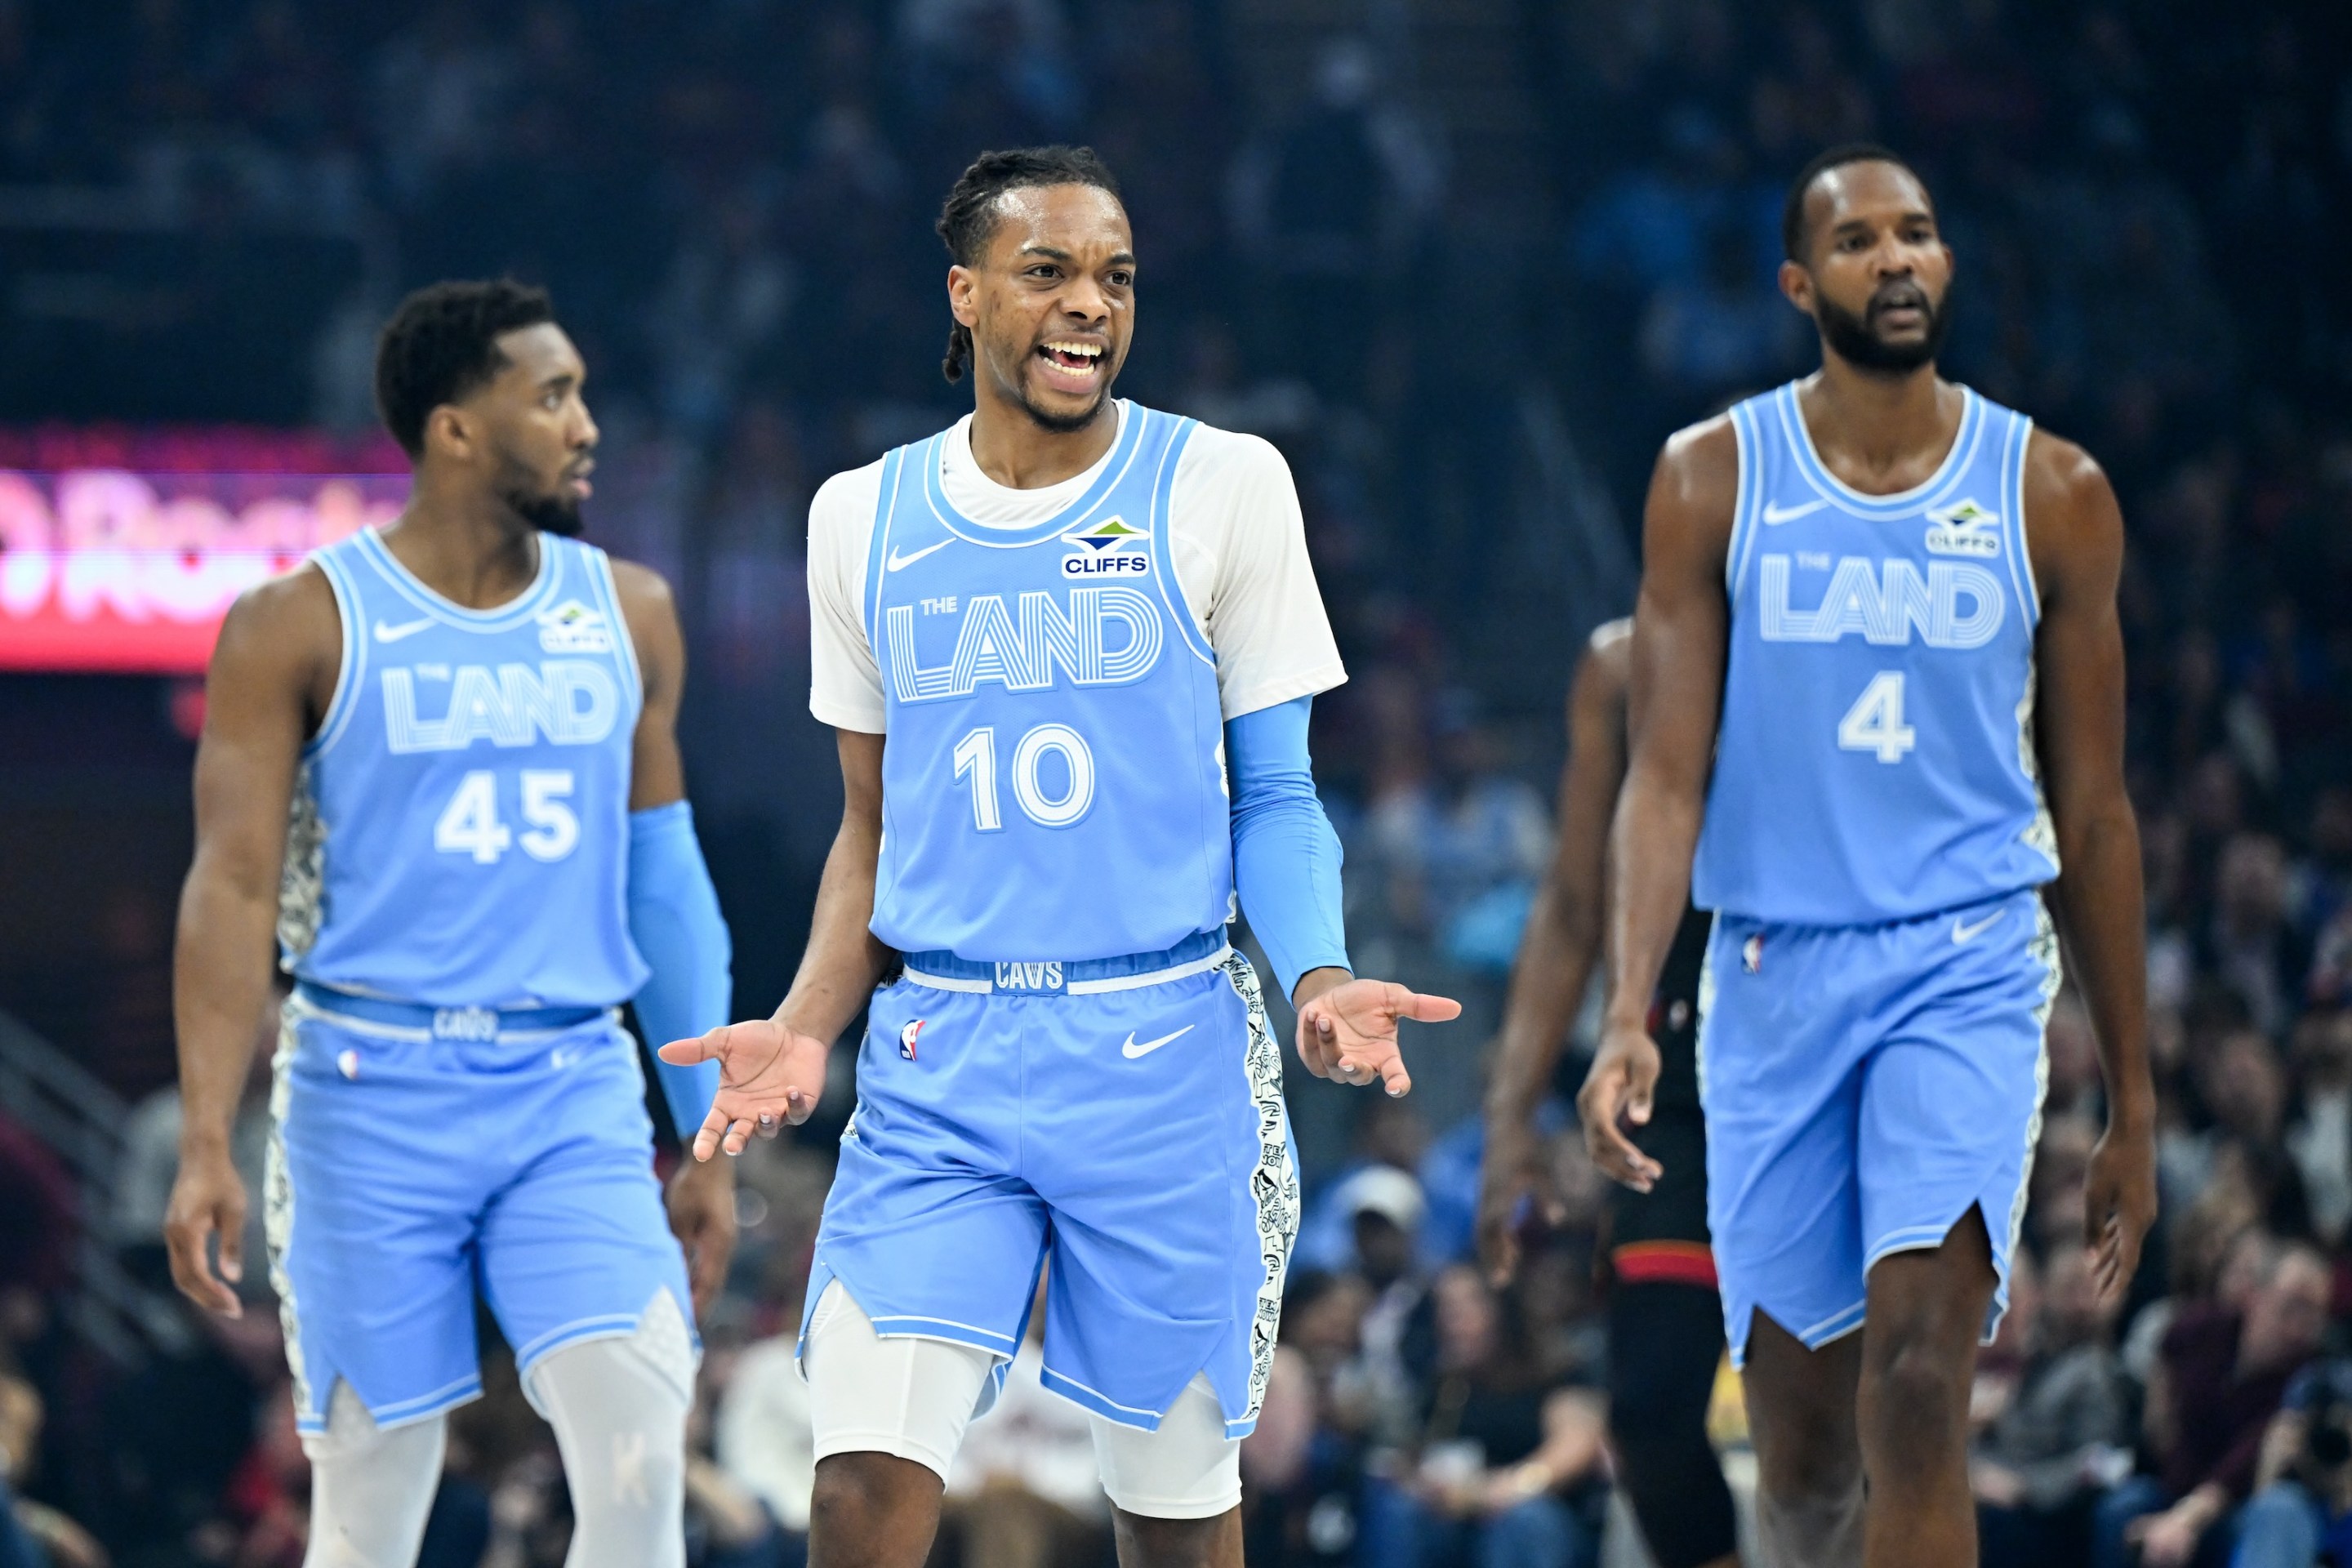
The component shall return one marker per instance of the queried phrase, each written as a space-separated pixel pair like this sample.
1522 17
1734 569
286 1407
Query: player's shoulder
641 588
291 623
2073 523
289 602
1696 479
1235 476
1703 449
1235 449
849 497
2059 470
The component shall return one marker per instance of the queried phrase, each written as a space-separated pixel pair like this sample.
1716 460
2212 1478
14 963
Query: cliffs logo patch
573 627
1963 529
1101 550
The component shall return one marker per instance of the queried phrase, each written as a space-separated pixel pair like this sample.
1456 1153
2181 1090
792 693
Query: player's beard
558 514
1855 340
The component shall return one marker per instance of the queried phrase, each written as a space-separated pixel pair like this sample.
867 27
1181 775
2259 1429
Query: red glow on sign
104 569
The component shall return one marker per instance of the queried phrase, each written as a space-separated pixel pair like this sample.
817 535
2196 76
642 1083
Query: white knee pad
868 1394
619 1408
914 1398
1186 1469
370 1487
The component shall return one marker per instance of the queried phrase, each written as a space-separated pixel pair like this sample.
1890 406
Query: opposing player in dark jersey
1665 1326
1877 689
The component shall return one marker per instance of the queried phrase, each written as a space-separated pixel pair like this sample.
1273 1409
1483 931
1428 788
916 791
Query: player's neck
472 551
1877 432
1019 454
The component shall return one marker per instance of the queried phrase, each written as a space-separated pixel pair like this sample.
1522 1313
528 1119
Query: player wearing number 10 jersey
466 716
1069 644
1899 601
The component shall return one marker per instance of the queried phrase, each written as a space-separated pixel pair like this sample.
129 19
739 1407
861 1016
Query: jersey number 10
975 758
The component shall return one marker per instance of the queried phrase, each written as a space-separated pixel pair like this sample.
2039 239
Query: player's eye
1122 279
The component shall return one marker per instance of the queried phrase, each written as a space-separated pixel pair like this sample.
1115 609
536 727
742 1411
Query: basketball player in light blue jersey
467 717
1069 645
1877 686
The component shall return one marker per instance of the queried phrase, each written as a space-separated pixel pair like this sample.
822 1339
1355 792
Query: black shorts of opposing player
1665 1324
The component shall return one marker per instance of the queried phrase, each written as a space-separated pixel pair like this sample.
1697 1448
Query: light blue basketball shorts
1117 1124
1865 1087
410 1171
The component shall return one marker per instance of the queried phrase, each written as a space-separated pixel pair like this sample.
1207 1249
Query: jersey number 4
975 759
470 824
1875 723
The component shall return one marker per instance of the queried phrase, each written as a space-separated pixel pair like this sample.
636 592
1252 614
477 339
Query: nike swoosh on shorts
1962 932
1131 1050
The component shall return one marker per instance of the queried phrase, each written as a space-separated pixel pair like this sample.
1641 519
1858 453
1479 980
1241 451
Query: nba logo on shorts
907 1039
1751 954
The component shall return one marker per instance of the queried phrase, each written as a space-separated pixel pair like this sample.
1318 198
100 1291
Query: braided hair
968 222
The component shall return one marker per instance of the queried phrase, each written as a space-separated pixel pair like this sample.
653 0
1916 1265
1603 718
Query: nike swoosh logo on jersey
1775 514
899 563
1962 932
1131 1050
405 629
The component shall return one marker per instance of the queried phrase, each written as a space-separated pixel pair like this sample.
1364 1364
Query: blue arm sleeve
674 918
1285 856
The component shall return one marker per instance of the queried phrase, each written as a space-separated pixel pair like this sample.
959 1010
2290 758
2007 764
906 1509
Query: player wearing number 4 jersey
1900 601
1068 645
466 717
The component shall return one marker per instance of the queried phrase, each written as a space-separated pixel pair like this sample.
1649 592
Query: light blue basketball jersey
460 829
1875 759
1054 783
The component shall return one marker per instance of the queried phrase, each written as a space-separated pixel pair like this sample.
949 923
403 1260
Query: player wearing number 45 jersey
1068 645
466 717
1900 601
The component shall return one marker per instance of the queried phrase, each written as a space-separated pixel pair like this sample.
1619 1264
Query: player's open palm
1348 1034
768 1074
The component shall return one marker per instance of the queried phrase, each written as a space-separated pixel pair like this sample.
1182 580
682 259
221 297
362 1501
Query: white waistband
1076 987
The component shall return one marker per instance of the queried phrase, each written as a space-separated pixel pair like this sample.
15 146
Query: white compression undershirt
913 1397
1234 533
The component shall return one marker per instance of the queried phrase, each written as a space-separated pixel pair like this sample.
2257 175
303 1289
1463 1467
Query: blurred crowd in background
1466 262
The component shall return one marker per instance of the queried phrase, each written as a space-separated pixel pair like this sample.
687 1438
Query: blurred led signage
111 568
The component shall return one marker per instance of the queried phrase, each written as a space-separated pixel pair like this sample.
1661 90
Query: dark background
1467 261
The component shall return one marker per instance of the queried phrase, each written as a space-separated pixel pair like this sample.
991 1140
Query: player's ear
1798 285
963 288
449 432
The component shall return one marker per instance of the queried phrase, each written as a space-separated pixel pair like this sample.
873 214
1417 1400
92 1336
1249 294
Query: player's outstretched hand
207 1199
1348 1034
768 1074
1618 1089
2118 1206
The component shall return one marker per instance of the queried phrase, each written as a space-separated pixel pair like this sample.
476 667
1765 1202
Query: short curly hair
443 343
968 222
